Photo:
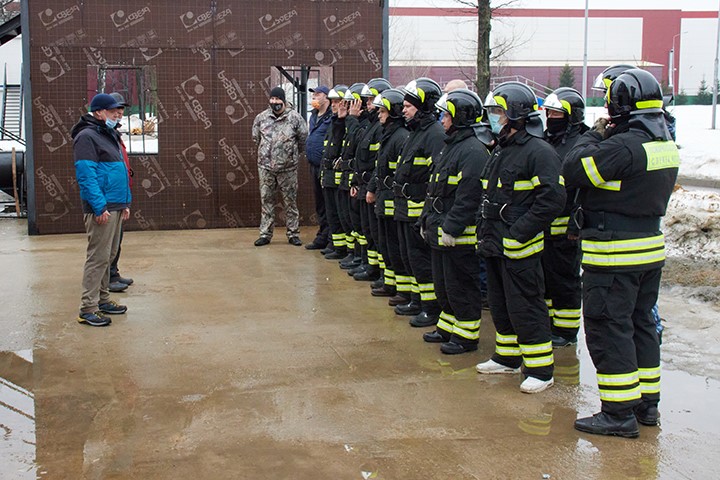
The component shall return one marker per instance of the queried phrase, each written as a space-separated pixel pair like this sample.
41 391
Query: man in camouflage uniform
280 134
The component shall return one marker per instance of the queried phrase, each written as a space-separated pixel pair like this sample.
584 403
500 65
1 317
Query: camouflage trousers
287 184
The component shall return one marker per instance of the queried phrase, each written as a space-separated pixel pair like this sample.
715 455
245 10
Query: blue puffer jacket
316 136
99 167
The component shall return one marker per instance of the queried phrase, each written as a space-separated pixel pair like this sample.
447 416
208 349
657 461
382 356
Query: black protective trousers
323 234
337 235
456 275
516 291
416 257
622 338
343 203
367 216
563 290
390 249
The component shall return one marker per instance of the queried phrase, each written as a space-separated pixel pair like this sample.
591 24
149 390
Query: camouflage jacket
280 140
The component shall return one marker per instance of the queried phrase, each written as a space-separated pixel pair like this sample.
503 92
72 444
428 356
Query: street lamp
671 76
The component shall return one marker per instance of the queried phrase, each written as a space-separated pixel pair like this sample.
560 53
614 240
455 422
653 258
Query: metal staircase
9 20
11 114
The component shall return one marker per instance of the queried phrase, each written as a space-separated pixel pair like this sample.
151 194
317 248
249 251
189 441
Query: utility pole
585 53
715 72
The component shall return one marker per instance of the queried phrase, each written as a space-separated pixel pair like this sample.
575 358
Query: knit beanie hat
278 92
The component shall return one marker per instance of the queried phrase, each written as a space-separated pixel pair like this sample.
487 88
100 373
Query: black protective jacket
392 141
563 143
522 195
366 154
626 181
453 194
332 149
354 130
413 172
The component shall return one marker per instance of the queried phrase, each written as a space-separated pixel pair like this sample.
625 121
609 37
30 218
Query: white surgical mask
495 124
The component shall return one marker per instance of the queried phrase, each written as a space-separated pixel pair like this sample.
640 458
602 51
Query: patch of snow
692 224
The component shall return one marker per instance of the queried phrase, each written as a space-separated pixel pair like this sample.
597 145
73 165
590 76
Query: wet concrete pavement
240 362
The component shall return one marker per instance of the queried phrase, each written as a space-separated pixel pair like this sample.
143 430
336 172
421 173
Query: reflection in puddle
17 415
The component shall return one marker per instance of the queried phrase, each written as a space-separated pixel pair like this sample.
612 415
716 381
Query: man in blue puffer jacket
104 189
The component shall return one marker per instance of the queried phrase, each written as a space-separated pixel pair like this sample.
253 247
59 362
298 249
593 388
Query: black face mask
276 107
556 126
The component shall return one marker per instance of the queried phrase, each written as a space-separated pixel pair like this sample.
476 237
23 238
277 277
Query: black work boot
383 291
368 274
605 424
380 282
424 319
647 414
350 261
329 249
360 268
337 254
412 308
453 348
398 300
436 337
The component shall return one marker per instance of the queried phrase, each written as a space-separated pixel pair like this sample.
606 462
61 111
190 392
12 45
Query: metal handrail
539 88
10 135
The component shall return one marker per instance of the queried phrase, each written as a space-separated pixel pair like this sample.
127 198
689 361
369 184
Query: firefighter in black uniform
411 179
364 164
329 181
356 121
626 175
565 109
380 193
448 223
522 195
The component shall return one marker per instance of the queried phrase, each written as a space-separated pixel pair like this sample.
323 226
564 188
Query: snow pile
692 224
699 145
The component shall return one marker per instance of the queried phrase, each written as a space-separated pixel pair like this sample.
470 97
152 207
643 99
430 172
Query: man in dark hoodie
102 177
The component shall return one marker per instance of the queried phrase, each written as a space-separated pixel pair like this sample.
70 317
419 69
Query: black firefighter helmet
391 100
464 107
423 93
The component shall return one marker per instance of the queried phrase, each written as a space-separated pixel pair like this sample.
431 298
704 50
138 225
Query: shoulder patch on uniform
661 155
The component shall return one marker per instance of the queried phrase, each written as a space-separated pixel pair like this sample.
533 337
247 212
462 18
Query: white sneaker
535 385
491 366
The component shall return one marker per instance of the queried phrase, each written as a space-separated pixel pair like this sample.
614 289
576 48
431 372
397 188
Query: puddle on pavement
17 415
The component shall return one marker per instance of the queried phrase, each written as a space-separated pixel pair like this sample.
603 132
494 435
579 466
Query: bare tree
484 50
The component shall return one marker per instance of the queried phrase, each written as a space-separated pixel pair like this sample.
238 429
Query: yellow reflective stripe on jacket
485 183
453 179
591 171
526 184
561 180
661 155
415 208
422 161
374 147
516 250
559 226
389 207
636 251
325 143
392 165
612 246
613 185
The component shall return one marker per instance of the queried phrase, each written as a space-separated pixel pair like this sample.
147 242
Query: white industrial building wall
450 40
697 53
